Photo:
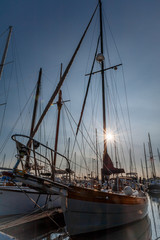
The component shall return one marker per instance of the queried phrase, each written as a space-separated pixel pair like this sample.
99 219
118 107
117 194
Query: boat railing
40 157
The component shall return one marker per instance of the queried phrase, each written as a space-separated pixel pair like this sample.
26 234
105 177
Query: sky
46 33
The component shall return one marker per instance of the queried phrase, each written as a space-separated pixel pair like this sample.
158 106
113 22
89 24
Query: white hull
14 201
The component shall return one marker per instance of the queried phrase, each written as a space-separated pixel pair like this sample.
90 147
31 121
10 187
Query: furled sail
108 167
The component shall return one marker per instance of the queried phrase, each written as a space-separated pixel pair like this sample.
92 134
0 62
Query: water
146 229
154 214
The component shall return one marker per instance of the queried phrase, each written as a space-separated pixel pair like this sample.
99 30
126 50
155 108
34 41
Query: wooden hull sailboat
86 209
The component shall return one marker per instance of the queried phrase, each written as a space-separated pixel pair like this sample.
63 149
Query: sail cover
108 167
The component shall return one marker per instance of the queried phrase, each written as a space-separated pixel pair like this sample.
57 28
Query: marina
73 165
46 229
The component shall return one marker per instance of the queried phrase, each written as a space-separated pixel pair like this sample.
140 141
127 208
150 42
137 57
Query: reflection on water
140 230
154 214
145 229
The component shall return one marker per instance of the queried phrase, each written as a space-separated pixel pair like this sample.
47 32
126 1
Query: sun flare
109 136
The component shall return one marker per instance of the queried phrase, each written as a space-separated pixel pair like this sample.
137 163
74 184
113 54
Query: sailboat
154 181
86 209
17 199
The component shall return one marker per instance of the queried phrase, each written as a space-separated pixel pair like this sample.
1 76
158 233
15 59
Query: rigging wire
117 117
6 101
6 92
115 92
124 82
14 125
67 112
17 60
94 150
4 32
15 65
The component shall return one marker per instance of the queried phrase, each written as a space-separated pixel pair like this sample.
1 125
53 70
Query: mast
36 101
97 154
142 169
115 150
5 51
59 105
34 114
103 89
75 166
158 154
151 157
103 86
145 161
131 163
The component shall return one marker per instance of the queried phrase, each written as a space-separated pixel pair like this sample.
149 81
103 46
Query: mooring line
37 205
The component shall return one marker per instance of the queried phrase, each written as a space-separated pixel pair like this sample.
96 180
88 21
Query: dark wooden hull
87 210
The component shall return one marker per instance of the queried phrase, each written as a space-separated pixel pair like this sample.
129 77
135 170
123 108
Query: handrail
39 144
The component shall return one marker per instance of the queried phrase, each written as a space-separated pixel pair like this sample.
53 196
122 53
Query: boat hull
154 188
103 212
15 201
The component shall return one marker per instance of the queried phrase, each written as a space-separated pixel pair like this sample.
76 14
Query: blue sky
47 32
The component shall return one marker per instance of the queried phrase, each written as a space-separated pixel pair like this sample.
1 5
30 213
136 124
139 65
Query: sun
109 136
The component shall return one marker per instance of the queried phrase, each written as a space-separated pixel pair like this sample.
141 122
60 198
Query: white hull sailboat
16 199
154 181
22 200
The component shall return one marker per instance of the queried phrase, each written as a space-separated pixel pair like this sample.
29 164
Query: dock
32 225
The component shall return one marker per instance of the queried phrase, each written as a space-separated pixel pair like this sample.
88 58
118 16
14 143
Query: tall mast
97 155
131 163
5 51
142 169
151 157
75 165
59 105
34 114
36 101
158 154
145 161
103 88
